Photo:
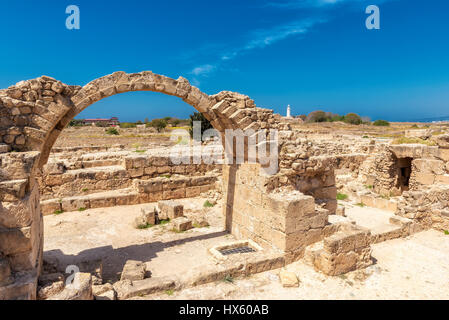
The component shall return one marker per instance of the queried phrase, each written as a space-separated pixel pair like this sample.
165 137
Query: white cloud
203 70
263 38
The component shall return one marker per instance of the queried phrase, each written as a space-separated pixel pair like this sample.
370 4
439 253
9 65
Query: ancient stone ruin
278 218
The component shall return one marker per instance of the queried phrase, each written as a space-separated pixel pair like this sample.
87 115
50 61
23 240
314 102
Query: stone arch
34 112
32 115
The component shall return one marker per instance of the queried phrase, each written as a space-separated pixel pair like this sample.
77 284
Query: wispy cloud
203 70
257 39
262 38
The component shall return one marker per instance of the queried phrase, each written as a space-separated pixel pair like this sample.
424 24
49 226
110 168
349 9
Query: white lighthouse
289 112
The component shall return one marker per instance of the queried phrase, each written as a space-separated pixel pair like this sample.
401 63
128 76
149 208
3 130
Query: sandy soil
411 268
108 234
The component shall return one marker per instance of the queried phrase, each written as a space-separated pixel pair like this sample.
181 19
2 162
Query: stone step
383 224
100 163
94 171
104 199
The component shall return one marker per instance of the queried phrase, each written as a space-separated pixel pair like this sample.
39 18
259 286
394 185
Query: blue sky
311 54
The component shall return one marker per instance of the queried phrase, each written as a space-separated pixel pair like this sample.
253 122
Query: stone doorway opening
404 168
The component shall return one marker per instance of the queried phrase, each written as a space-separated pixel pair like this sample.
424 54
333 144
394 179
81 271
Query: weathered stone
80 289
182 224
133 270
288 279
50 289
147 217
170 209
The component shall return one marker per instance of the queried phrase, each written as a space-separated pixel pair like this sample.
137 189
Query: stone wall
287 221
62 179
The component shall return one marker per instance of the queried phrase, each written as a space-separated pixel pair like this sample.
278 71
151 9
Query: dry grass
405 140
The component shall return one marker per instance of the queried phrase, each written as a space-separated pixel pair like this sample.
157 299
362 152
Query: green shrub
112 131
144 226
205 124
159 124
342 196
353 118
76 123
207 204
317 116
381 123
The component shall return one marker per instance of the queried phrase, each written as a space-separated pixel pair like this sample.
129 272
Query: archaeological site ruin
333 196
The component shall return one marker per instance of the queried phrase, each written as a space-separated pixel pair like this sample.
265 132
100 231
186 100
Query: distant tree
101 124
167 119
159 124
176 122
381 123
353 118
76 123
139 122
205 124
337 117
303 117
317 116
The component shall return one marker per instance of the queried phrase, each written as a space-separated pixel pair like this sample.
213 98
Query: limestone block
288 279
19 213
428 166
50 206
54 168
146 217
289 205
102 288
50 289
424 178
16 240
126 289
13 190
108 295
182 224
170 209
80 289
74 204
133 270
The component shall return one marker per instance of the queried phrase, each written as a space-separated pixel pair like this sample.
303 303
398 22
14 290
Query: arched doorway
33 113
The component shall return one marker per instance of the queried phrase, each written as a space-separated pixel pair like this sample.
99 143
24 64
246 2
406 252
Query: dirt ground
410 268
108 234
